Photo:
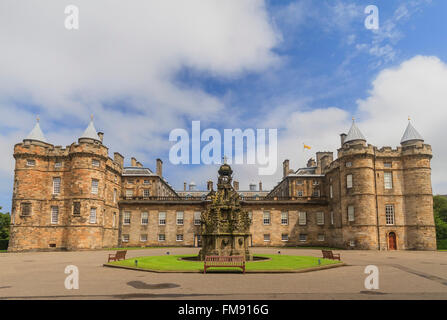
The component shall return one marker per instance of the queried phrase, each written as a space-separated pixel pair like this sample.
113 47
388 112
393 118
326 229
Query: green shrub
3 244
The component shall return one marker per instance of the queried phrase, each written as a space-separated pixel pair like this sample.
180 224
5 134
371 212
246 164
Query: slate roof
411 134
36 134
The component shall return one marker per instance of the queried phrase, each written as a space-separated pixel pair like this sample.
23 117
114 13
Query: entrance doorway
392 243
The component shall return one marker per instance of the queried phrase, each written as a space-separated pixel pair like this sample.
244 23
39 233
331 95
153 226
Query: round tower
357 191
87 191
418 194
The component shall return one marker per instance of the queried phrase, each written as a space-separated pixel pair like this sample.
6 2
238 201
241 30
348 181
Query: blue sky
304 67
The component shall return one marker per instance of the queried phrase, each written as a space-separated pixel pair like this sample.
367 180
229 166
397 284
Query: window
388 180
299 182
316 182
131 181
266 237
146 182
126 217
266 219
284 218
332 217
179 237
54 214
352 243
125 238
95 186
250 216
114 195
320 218
321 237
351 213
161 237
146 193
316 193
179 218
56 185
349 181
95 163
348 164
197 218
26 209
30 163
331 194
389 214
144 218
114 220
143 237
58 165
76 208
300 193
303 237
92 215
301 218
162 218
284 237
129 193
387 164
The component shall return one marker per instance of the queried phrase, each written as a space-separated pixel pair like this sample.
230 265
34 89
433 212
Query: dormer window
30 162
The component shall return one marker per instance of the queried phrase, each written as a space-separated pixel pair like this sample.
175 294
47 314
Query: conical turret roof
411 134
354 133
36 134
90 132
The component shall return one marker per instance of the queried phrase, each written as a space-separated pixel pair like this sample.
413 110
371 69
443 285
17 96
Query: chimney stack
209 185
139 164
159 168
101 136
118 158
184 186
133 162
342 138
260 185
285 167
236 185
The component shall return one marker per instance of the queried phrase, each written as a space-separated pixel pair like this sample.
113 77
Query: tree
5 220
440 213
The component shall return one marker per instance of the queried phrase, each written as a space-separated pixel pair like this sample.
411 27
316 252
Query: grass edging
329 266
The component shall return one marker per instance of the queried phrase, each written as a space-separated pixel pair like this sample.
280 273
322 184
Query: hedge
4 244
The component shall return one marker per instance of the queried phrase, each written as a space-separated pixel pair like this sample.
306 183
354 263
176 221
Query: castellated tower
382 198
357 191
65 198
418 204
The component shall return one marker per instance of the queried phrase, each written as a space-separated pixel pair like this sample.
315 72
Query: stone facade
78 197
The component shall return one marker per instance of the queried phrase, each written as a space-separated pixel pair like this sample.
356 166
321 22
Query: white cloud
416 88
126 52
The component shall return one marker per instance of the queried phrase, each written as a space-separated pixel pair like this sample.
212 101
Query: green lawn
139 248
442 244
277 262
3 251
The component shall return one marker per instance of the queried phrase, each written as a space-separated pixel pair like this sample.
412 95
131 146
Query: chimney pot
159 167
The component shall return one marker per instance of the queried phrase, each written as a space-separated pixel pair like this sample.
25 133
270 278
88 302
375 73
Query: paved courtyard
403 275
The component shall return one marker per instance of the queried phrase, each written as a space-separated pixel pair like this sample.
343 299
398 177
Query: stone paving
402 275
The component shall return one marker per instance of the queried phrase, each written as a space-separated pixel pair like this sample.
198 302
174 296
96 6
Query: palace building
78 197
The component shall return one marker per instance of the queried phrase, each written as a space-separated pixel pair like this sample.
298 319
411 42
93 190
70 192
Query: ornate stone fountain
225 225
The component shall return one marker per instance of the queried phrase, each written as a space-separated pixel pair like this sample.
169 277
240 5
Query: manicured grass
314 248
139 248
442 244
3 251
278 262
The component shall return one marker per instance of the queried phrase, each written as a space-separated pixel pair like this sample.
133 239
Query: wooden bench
224 262
328 254
119 255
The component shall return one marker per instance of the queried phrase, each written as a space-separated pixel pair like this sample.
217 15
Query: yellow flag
305 146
